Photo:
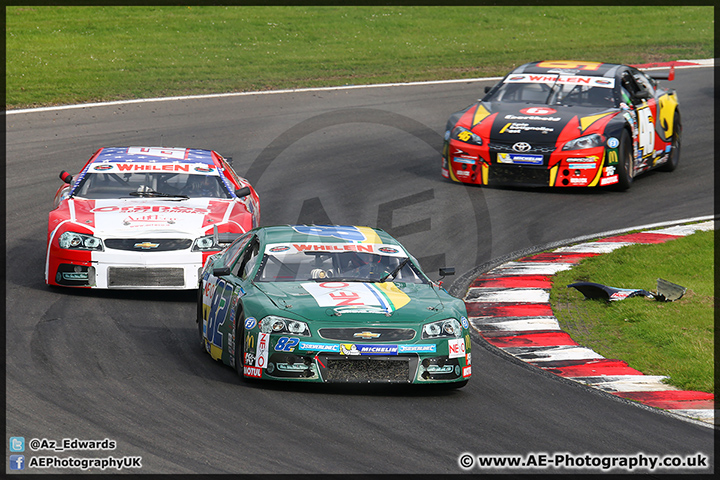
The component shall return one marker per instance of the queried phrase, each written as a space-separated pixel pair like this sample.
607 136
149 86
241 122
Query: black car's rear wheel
625 163
674 159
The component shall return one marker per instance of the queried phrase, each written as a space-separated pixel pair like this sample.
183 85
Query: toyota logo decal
521 147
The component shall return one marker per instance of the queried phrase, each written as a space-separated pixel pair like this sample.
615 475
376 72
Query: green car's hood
356 301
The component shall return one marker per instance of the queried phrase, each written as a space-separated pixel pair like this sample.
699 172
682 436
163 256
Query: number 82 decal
286 344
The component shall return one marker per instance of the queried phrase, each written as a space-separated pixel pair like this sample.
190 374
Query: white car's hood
133 218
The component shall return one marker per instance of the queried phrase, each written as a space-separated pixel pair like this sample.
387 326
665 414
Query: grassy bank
675 339
63 55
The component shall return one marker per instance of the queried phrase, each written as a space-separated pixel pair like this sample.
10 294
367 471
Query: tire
625 162
240 344
199 318
674 159
452 386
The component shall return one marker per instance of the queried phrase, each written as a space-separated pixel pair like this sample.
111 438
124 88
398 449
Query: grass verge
76 54
674 339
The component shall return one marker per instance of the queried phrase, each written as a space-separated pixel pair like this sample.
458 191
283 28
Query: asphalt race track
126 366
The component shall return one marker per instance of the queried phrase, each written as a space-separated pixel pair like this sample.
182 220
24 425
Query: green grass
675 339
63 55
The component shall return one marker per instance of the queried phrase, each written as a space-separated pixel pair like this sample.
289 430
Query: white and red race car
145 218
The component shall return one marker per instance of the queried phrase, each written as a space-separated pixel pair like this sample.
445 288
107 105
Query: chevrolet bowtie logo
366 335
146 245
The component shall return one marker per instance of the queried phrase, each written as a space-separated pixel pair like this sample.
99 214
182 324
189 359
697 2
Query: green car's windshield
288 263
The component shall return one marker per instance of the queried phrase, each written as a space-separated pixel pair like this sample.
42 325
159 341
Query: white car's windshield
289 264
147 184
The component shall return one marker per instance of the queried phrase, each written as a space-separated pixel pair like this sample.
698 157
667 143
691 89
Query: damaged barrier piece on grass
666 291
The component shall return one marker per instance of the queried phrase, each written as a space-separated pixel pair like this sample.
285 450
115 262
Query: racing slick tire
452 386
674 159
240 345
199 318
625 164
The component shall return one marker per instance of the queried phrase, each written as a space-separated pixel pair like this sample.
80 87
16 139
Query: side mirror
445 271
242 192
221 271
487 88
642 94
66 177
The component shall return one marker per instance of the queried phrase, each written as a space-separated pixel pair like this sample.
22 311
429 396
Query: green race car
339 304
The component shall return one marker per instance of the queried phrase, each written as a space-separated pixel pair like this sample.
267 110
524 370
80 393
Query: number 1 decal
646 132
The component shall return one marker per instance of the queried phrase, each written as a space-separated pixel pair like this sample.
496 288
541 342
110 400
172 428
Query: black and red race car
565 124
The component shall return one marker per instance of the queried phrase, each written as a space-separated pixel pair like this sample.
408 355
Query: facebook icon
17 462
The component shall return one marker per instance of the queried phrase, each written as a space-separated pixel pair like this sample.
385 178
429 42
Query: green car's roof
324 234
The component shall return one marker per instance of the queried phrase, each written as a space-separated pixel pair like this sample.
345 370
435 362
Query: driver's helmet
202 185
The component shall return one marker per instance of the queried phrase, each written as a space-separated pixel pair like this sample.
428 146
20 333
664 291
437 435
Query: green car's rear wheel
199 318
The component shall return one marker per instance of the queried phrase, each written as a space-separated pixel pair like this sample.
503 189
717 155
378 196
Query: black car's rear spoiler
670 76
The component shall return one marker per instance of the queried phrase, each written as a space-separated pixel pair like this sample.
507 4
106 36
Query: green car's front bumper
283 357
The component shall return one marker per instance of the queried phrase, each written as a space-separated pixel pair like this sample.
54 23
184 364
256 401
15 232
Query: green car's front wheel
240 344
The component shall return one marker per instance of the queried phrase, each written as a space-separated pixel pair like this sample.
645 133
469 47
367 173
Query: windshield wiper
153 193
395 270
341 279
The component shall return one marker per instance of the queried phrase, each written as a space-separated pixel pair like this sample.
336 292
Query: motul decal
609 180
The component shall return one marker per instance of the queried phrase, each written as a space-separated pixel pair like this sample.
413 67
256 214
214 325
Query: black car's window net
99 186
295 266
553 90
